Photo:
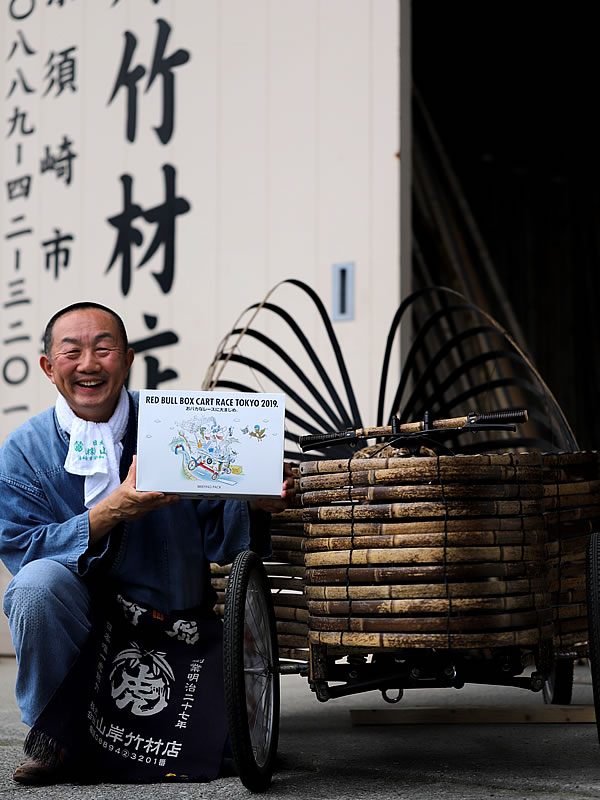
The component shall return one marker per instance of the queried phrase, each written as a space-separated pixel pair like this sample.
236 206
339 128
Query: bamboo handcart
450 559
402 567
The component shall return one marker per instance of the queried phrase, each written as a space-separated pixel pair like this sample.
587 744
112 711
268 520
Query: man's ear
129 356
47 367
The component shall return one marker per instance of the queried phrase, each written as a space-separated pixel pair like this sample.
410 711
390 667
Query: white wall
285 146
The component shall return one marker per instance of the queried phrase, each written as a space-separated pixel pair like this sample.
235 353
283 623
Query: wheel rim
549 687
258 671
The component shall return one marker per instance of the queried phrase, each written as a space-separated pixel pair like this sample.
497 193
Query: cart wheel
593 608
250 665
192 464
558 689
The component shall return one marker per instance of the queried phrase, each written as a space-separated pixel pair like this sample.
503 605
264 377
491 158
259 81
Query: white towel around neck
95 448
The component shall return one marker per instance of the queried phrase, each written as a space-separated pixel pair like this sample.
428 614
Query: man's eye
103 351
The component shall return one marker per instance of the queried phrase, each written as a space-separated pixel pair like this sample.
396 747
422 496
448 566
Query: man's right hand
123 504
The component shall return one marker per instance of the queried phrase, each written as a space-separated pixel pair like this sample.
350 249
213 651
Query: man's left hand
288 492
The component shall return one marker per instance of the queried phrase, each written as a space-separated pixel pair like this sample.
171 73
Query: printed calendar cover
211 444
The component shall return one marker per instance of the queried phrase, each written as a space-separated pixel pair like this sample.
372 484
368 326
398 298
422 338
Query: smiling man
72 520
87 358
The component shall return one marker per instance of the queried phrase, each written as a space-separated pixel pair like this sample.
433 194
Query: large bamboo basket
445 551
571 513
450 552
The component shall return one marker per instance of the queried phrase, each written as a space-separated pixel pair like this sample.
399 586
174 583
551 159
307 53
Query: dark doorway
511 88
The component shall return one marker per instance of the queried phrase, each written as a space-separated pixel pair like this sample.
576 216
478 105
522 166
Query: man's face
88 363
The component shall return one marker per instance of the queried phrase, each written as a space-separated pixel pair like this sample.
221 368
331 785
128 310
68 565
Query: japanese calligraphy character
142 679
15 370
15 293
185 630
18 187
100 726
19 5
61 71
153 745
24 85
172 749
115 733
21 232
162 66
154 376
163 215
60 163
58 255
18 118
26 47
131 737
23 337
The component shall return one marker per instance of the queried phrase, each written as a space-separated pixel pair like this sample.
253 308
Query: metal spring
517 415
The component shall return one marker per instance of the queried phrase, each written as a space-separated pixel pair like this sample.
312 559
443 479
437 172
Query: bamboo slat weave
375 641
445 551
571 513
422 469
424 591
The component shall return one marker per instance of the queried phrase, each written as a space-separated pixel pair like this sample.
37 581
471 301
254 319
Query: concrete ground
322 755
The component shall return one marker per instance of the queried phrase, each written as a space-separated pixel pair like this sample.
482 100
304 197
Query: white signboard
215 444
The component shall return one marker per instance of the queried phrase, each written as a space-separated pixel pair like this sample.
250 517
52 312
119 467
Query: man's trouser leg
48 610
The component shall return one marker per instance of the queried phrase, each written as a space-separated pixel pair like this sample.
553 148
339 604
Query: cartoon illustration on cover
207 450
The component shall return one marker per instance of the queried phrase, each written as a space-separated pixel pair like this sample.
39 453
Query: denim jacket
161 559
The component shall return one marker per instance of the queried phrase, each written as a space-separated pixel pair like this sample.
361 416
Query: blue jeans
48 610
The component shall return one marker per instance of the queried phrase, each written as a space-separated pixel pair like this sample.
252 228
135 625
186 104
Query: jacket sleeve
229 528
37 521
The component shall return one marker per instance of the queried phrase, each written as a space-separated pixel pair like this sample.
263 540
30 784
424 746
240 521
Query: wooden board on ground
467 715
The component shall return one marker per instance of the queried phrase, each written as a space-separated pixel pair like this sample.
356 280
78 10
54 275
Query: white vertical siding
285 145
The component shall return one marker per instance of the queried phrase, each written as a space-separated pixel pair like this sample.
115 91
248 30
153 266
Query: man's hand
288 492
123 504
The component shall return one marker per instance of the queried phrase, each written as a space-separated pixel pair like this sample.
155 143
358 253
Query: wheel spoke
253 650
256 628
259 722
253 607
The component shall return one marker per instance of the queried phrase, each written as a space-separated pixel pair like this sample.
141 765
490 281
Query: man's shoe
38 773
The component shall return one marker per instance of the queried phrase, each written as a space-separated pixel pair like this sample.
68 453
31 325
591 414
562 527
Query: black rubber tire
251 671
593 608
558 689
